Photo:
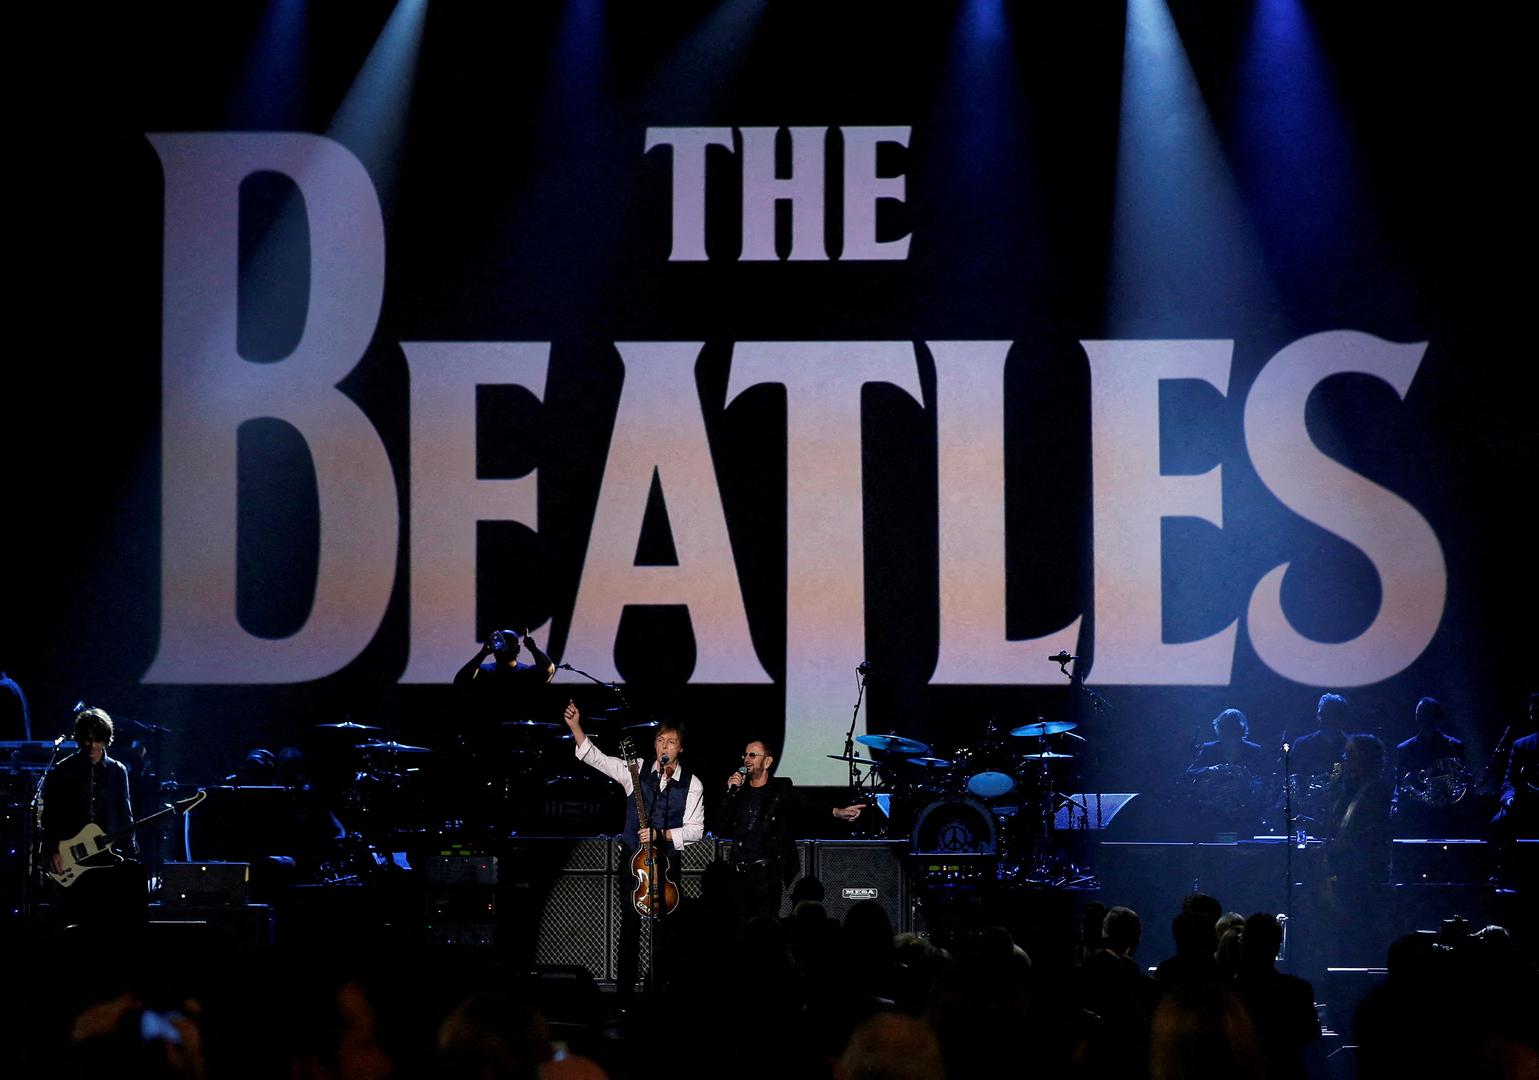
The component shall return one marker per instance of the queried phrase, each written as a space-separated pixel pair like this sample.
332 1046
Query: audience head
1262 938
807 888
1203 904
890 1046
1121 930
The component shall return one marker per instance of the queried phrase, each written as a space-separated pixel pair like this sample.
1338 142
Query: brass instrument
1441 783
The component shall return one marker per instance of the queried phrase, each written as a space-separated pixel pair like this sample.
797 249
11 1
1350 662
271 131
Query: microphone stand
612 687
849 736
658 889
34 825
149 782
1291 838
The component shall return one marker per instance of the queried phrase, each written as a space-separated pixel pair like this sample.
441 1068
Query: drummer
1232 747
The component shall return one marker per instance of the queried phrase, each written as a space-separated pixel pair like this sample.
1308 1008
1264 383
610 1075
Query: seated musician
1321 750
1226 778
1428 767
1519 813
674 803
89 787
1232 747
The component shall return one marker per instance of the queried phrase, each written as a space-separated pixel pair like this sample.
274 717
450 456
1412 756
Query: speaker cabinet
557 895
856 870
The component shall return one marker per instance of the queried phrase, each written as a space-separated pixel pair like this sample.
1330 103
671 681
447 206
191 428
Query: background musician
1518 817
675 806
1429 767
492 688
1226 777
1314 761
89 787
1233 745
496 679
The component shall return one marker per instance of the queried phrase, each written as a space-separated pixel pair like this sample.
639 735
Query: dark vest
665 810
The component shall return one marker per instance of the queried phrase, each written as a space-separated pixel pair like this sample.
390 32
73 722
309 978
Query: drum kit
994 798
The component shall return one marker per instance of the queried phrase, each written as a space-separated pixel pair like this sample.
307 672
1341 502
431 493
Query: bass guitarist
89 787
674 804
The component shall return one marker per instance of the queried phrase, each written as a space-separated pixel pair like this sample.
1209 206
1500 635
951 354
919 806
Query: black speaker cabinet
856 870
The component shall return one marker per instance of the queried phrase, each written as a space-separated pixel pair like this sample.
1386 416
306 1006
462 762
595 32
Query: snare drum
988 771
954 826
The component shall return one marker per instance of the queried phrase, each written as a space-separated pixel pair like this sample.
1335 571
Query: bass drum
954 826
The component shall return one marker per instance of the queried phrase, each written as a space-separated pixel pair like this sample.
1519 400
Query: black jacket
774 824
75 793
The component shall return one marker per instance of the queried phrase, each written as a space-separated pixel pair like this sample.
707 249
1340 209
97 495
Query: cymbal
893 744
928 762
533 727
1044 727
646 725
855 758
348 725
1046 756
375 746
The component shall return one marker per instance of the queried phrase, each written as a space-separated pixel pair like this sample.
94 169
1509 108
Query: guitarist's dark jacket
774 824
69 803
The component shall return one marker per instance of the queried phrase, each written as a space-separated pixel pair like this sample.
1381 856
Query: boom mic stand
862 670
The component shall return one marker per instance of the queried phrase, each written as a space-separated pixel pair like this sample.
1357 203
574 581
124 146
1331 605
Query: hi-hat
348 725
893 744
1044 727
375 746
1047 756
854 758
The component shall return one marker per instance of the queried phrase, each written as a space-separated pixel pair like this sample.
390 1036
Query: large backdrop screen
727 346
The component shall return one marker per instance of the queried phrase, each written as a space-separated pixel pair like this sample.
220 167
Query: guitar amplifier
206 884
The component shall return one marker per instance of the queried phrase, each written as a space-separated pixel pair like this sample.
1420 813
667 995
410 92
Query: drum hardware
893 744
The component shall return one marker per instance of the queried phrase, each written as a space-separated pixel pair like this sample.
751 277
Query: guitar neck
174 808
641 806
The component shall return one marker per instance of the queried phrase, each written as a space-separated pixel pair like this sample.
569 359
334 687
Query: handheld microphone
742 770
